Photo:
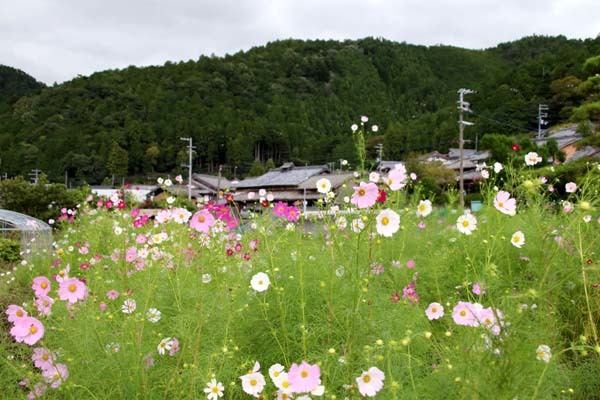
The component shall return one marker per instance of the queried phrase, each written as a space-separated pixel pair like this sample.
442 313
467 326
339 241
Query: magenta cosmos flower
28 330
292 213
202 221
365 195
304 378
505 204
41 286
279 209
72 290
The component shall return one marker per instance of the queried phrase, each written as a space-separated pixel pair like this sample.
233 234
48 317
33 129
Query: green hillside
288 100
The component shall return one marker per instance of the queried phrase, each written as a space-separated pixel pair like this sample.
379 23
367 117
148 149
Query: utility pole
189 165
462 107
219 183
379 152
542 108
34 175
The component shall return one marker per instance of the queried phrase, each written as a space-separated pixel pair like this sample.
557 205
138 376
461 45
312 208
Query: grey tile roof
286 175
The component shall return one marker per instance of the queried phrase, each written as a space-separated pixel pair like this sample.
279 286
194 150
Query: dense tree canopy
290 100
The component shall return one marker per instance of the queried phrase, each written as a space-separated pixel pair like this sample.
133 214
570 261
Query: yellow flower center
43 285
201 218
285 384
422 207
19 313
465 223
500 204
56 377
434 310
516 239
463 313
361 192
304 373
32 329
72 287
276 374
366 378
385 221
215 389
45 357
253 382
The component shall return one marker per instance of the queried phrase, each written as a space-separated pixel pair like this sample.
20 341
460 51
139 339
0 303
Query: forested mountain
290 100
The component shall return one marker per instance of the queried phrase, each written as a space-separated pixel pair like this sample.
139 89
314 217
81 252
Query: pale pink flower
44 304
253 382
41 286
174 347
365 195
112 294
163 216
28 330
202 221
532 158
304 377
505 204
463 314
374 177
130 254
370 382
42 358
396 178
477 289
72 290
179 179
55 375
571 187
434 311
15 312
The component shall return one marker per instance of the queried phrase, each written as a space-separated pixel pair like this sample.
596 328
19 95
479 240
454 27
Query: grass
330 302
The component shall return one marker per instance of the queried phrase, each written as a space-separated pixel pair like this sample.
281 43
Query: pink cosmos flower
141 239
279 209
44 304
15 312
72 290
112 294
38 391
434 311
365 195
571 187
409 293
292 213
487 318
477 289
304 377
202 221
505 204
130 254
174 347
41 286
42 358
55 375
28 330
396 178
370 382
465 313
410 264
163 216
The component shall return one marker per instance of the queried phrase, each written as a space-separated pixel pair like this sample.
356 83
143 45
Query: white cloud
54 40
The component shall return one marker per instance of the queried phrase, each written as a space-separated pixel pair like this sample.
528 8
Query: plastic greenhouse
35 235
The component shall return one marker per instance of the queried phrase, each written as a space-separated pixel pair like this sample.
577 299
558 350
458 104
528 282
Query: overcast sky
55 40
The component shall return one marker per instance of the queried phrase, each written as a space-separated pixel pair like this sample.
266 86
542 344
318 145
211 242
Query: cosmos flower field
384 294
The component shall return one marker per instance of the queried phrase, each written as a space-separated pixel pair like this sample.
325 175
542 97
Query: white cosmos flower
323 185
164 346
424 208
466 224
358 225
214 389
532 158
388 222
354 127
498 167
543 353
374 177
153 315
128 306
518 239
260 282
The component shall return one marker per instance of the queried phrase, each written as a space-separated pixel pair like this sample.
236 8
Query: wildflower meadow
380 293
